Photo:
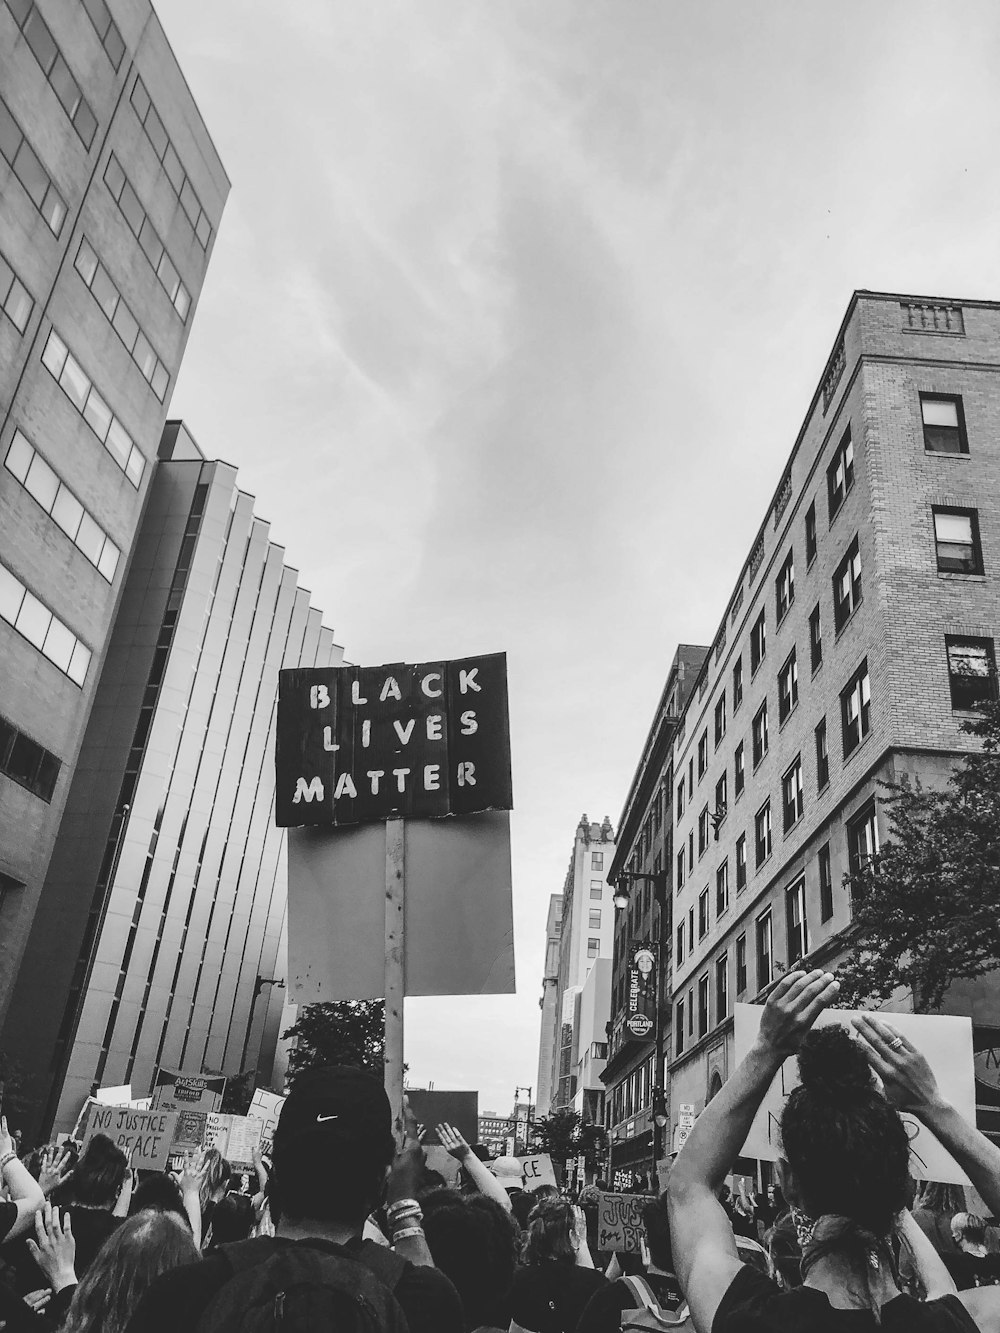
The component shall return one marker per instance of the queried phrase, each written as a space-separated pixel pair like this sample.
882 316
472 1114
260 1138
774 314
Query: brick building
111 193
861 628
645 838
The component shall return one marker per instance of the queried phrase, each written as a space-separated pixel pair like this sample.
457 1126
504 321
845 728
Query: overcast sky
514 315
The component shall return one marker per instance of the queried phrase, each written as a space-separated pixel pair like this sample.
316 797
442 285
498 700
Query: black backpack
307 1286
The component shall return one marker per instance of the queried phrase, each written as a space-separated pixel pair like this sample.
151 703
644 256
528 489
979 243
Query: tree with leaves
565 1134
926 909
344 1032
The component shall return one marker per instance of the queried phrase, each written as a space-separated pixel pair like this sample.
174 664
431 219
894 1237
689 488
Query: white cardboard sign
537 1171
944 1040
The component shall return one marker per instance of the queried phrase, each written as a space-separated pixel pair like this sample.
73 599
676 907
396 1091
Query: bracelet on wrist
399 1205
7 1158
406 1233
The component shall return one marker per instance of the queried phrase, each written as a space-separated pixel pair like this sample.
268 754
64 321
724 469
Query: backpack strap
242 1255
641 1293
386 1264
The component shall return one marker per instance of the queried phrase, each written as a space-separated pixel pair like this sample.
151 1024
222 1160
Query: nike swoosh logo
321 1118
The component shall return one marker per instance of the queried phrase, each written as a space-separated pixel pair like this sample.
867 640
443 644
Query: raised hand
55 1170
7 1143
906 1076
55 1250
793 1007
451 1139
404 1178
191 1173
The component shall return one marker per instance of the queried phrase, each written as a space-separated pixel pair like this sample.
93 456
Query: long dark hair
848 1149
98 1176
126 1265
551 1227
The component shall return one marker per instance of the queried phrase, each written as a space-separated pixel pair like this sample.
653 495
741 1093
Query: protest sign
537 1171
459 924
175 1091
944 1040
265 1108
619 1221
144 1136
433 1107
83 1119
120 1096
362 744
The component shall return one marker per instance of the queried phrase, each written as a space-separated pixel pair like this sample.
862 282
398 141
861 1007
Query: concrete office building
110 196
861 629
585 934
164 903
549 1002
635 1063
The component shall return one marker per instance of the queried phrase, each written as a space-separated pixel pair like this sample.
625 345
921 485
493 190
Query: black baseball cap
337 1103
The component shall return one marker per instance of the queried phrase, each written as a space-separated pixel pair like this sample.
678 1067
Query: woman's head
216 1174
553 1233
158 1193
474 1243
232 1220
846 1151
968 1229
98 1176
127 1263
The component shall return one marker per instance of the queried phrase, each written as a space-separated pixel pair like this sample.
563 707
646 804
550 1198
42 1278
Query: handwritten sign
359 745
537 1171
619 1221
144 1136
944 1040
265 1108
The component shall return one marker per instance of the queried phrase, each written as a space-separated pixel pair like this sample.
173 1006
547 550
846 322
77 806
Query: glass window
59 644
54 356
597 860
972 673
597 889
722 888
42 482
822 756
97 415
847 586
679 1035
680 799
825 884
758 642
702 754
721 805
811 543
127 327
759 734
593 948
65 86
703 831
956 538
741 862
680 943
815 639
134 212
855 709
720 720
90 538
795 921
703 1005
19 457
762 833
114 177
172 166
25 756
739 774
135 465
784 587
840 474
86 262
737 683
741 964
40 40
53 210
67 512
11 596
80 661
862 838
765 952
144 356
33 619
75 383
788 686
119 443
105 292
595 919
791 794
721 987
944 424
108 563
703 914
182 301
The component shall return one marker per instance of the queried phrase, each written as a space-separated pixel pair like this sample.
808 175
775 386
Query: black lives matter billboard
357 745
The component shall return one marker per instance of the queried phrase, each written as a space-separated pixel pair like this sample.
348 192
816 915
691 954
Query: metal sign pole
395 885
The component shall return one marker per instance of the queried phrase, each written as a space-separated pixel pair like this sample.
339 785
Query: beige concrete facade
86 378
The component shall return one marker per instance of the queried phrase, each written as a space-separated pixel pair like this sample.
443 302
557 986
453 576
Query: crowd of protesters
347 1231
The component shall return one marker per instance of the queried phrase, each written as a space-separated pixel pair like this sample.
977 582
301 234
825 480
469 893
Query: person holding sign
845 1171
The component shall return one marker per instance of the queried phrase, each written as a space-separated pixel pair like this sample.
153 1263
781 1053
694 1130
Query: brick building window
815 639
944 423
758 643
680 943
862 838
855 709
795 921
691 850
741 863
822 755
847 586
784 587
759 734
703 914
972 672
703 832
956 541
691 930
720 721
811 543
679 1032
788 686
680 870
703 1005
721 987
737 682
825 884
791 794
722 888
741 964
840 474
680 799
739 774
765 949
702 754
762 834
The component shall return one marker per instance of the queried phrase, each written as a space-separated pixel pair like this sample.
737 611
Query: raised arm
910 1085
401 1206
478 1172
705 1255
21 1186
928 1266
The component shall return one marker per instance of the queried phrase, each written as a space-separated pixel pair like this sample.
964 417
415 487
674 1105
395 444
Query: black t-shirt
8 1216
551 1297
969 1270
755 1304
603 1313
176 1301
91 1228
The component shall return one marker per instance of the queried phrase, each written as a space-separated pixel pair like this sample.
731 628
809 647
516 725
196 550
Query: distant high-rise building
110 196
549 1002
161 941
571 1026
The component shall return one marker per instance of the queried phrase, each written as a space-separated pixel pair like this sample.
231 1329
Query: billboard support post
395 978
